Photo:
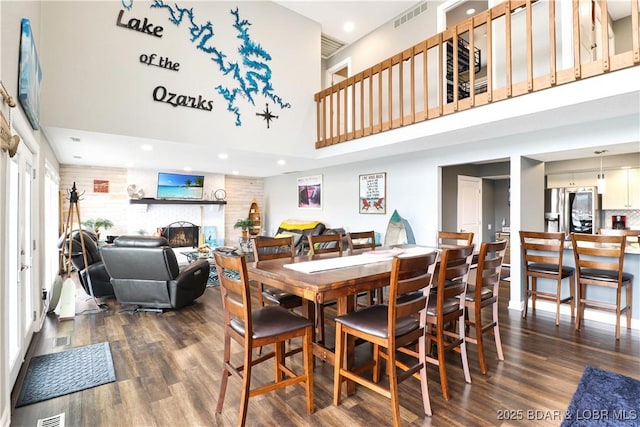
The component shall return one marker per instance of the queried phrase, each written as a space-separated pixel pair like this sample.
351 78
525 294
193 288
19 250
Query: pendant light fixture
601 182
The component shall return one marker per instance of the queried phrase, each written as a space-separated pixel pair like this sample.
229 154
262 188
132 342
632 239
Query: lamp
601 183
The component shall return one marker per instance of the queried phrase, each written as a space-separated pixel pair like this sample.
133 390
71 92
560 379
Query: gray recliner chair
144 272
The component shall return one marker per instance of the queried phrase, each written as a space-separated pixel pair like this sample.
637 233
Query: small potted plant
244 224
97 224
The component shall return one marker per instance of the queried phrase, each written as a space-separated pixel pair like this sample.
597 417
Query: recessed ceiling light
235 173
282 162
146 147
348 26
470 11
188 169
74 139
223 156
77 157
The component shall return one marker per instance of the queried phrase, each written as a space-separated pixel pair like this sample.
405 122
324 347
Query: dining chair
542 254
446 308
365 240
391 328
266 248
254 329
599 262
323 244
482 294
458 238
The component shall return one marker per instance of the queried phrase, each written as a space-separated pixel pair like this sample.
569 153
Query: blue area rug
604 399
57 374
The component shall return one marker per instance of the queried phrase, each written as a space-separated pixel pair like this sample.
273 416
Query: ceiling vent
329 46
411 13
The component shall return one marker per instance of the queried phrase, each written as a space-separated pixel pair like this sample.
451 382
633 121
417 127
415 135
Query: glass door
20 298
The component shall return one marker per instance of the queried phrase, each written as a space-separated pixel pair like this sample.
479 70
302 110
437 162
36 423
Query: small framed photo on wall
310 192
373 193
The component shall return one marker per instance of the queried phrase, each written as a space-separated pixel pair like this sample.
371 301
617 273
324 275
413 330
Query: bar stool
542 258
365 240
600 262
254 329
484 294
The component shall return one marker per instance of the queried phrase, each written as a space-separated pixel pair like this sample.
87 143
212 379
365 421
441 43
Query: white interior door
470 206
20 298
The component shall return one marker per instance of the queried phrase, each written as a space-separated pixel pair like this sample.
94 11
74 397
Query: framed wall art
30 76
373 193
310 192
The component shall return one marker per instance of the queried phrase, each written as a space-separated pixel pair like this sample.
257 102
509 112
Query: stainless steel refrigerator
572 210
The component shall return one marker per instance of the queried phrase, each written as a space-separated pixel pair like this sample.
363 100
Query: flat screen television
179 186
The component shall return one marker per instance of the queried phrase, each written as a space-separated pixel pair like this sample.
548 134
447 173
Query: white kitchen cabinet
622 189
573 179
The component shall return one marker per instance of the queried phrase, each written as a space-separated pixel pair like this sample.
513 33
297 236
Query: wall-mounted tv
179 186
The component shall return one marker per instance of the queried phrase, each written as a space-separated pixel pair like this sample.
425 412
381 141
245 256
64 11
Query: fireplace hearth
181 234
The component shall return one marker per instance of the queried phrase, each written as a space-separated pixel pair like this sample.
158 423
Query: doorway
470 206
20 298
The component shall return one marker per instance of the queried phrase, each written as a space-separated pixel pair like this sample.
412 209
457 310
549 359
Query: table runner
368 257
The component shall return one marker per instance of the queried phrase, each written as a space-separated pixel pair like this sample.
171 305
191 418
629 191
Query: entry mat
56 374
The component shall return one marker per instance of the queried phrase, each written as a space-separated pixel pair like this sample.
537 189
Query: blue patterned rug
604 399
57 374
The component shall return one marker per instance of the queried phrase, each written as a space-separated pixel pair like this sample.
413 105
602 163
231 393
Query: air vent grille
329 46
411 13
54 421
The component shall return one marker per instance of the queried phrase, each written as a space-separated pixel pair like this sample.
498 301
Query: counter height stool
445 308
600 261
542 259
254 329
365 240
459 238
323 244
391 328
484 293
265 248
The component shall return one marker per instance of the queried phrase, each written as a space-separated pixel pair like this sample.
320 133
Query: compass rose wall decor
266 114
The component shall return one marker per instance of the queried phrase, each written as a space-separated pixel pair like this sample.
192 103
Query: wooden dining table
341 283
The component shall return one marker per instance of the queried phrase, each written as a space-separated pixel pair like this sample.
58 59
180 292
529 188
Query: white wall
116 89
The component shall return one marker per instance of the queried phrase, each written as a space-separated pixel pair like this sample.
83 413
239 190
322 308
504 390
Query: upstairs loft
515 48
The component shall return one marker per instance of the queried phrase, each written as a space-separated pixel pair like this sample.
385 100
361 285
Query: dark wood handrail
398 91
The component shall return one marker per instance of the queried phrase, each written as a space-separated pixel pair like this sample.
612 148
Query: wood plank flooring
168 370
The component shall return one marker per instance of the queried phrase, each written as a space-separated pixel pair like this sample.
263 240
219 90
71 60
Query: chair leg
319 323
526 297
376 363
246 386
393 386
479 342
534 290
572 284
463 350
579 306
338 361
496 332
558 294
627 304
442 368
422 353
279 361
618 311
225 373
307 354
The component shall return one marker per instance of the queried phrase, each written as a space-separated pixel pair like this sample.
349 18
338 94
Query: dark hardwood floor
168 374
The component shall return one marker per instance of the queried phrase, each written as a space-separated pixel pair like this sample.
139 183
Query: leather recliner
144 272
94 272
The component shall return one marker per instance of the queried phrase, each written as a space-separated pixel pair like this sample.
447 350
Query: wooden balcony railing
515 48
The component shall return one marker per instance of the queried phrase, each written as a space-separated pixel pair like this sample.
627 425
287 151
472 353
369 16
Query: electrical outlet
488 226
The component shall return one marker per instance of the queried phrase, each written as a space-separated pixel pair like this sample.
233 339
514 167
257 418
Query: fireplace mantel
175 202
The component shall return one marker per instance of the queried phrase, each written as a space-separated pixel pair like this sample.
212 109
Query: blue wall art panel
30 76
